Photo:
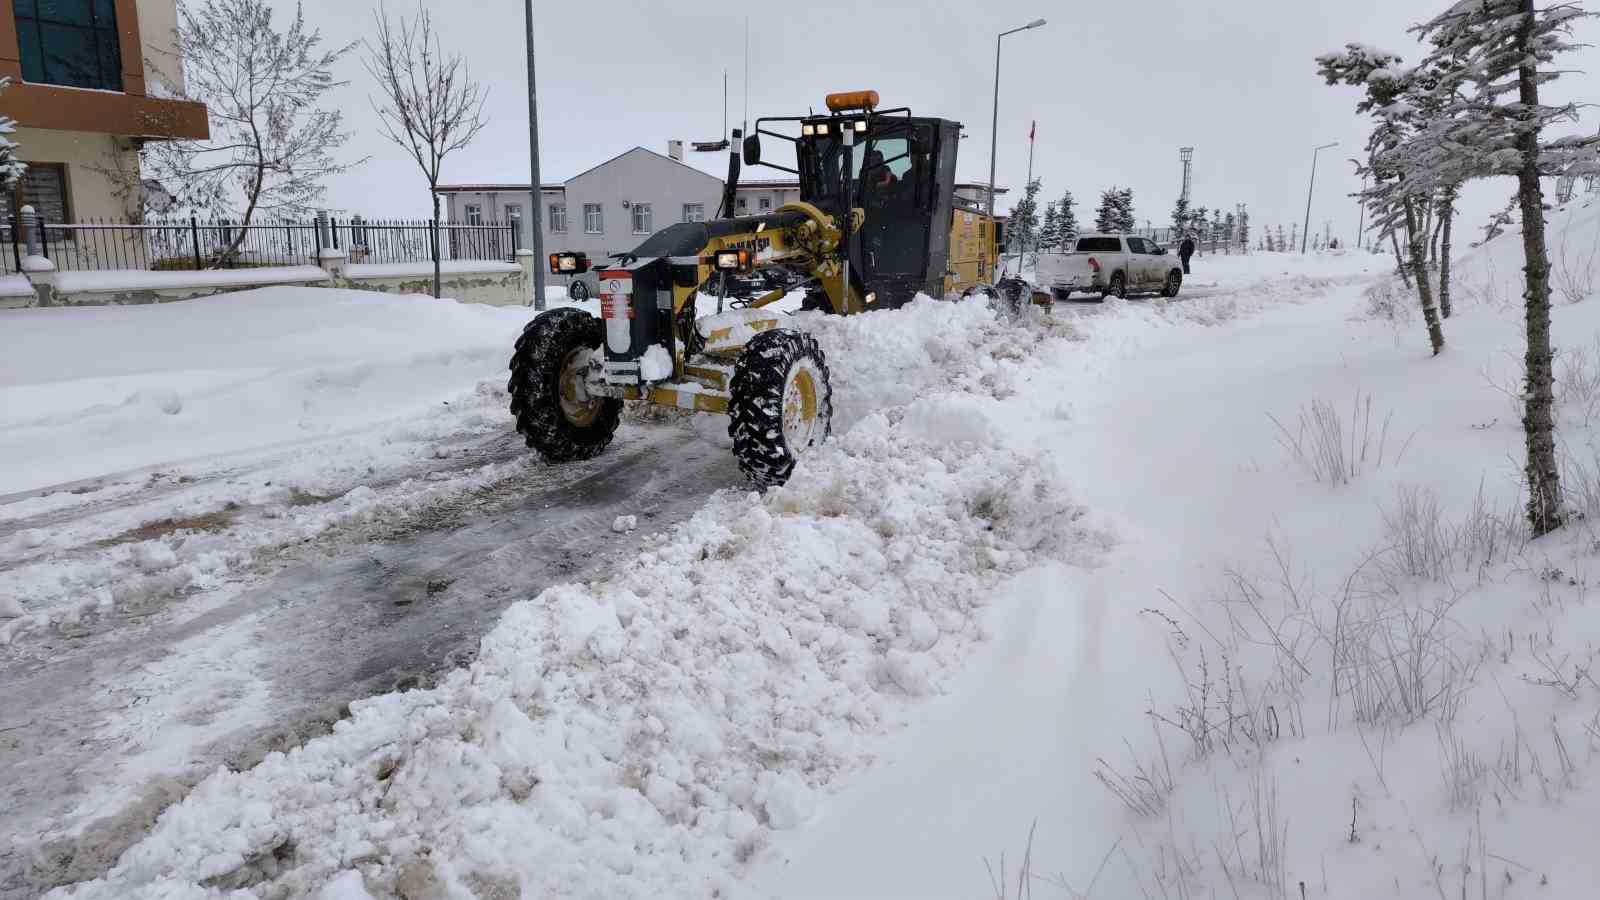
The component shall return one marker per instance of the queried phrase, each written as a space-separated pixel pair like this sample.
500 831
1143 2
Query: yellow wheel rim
577 406
800 419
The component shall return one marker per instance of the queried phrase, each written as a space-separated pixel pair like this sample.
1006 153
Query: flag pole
1032 129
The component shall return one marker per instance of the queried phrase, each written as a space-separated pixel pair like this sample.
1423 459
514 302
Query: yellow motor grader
878 221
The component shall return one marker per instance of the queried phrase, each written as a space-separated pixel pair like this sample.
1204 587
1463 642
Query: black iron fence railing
192 244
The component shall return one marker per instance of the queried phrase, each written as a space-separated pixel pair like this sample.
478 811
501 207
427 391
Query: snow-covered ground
1060 589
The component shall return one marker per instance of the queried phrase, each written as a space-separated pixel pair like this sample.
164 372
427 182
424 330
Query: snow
37 264
141 280
336 380
15 286
227 373
1164 415
656 364
623 524
417 270
648 733
1029 557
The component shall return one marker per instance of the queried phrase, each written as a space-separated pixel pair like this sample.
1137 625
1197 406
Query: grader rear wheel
554 414
781 404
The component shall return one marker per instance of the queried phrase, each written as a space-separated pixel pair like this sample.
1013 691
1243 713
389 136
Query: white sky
1115 88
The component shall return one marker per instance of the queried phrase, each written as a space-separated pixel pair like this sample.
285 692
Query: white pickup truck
1111 265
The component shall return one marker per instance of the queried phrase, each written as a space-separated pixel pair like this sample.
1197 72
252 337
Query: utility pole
536 223
746 126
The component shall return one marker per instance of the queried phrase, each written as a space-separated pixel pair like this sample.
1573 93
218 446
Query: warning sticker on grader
614 293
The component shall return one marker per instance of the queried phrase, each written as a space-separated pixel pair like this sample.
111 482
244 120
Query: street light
1304 231
1361 204
994 125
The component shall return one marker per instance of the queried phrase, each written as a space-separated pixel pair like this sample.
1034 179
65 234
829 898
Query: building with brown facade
91 82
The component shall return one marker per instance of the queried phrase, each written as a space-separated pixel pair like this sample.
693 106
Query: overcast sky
1116 89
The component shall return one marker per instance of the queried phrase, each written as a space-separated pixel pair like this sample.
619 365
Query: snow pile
1370 686
89 391
883 359
642 736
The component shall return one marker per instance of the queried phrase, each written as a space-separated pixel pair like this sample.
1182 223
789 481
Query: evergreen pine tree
1106 217
11 168
1068 219
1125 219
1493 56
1023 229
1180 218
1050 232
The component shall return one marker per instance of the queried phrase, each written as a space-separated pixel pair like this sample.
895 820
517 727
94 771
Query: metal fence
190 244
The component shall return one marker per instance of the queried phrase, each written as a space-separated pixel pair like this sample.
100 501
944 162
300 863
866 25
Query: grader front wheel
553 412
781 404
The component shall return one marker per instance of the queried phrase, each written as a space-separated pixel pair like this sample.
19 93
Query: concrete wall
158 26
91 192
491 283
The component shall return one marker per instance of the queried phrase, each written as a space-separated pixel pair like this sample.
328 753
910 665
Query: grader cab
687 319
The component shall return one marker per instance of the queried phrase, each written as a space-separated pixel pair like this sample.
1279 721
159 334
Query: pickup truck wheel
1060 294
1174 283
1118 287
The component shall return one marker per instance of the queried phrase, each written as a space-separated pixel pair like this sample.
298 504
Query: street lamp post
1305 229
536 221
994 124
1361 205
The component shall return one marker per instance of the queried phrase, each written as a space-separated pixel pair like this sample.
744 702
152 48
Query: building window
641 218
71 44
474 214
741 205
764 204
43 187
593 219
514 213
694 212
558 217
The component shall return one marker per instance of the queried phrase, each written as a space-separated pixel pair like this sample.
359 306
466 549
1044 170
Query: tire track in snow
152 710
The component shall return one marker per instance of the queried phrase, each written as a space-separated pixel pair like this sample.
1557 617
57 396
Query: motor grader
877 222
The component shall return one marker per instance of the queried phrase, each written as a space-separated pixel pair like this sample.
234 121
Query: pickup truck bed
1110 264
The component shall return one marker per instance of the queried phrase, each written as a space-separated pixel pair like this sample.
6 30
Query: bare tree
429 104
270 145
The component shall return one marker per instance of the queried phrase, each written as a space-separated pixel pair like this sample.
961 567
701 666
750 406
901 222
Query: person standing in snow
1186 250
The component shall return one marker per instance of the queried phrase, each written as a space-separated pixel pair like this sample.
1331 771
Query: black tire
1060 294
578 289
768 366
1118 287
561 431
1173 285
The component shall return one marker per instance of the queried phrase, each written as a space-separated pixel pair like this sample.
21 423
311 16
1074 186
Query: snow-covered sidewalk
1285 681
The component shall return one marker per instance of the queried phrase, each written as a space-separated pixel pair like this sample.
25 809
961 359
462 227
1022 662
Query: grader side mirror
752 150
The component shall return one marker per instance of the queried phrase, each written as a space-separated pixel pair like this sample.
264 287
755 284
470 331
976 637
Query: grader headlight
733 260
569 263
